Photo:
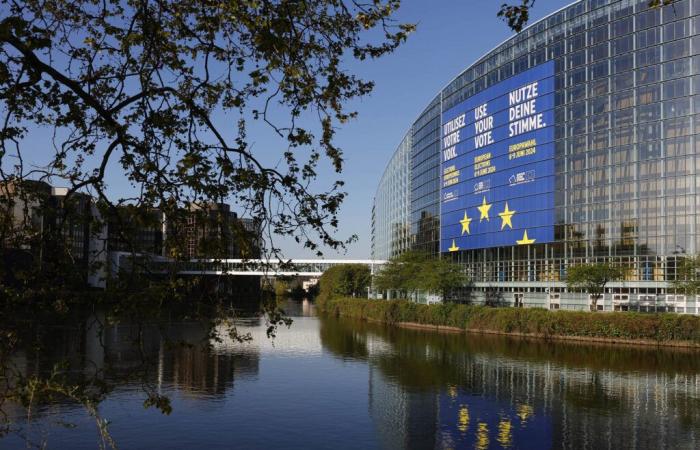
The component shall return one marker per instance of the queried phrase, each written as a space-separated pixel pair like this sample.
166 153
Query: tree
441 276
592 278
165 92
399 273
345 280
416 271
687 280
518 15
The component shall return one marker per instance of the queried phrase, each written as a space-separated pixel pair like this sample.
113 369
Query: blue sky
451 35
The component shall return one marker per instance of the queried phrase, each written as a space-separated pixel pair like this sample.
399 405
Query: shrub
542 322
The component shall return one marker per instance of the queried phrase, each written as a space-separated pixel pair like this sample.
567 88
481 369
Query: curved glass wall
626 105
390 211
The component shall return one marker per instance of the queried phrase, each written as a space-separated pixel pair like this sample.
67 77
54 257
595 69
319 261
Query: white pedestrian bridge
233 267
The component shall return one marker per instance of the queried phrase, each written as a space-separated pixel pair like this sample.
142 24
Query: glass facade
391 208
627 101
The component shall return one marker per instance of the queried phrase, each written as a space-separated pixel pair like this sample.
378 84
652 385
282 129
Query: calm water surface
330 383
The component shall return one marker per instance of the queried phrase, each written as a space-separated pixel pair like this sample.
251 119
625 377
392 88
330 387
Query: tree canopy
416 271
345 280
592 278
687 280
165 92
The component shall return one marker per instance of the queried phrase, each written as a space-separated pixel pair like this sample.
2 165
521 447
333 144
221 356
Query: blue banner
497 171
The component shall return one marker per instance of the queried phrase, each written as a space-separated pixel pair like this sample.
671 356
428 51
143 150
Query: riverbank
624 328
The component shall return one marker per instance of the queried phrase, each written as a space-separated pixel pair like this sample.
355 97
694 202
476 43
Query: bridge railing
310 267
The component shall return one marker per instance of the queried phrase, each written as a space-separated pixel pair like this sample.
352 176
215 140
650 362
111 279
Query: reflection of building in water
303 308
594 408
469 420
403 418
176 355
498 401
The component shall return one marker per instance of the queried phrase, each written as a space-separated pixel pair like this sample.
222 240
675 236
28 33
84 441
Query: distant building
21 212
43 226
212 230
136 230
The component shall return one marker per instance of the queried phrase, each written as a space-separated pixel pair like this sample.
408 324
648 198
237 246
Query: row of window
506 60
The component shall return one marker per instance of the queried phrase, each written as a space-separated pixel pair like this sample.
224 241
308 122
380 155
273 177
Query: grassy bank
666 329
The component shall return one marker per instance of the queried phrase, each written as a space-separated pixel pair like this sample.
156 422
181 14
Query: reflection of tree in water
338 337
581 396
81 361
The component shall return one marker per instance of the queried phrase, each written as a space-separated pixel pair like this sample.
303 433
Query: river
330 383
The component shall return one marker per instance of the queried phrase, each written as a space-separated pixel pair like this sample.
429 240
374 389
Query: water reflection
331 383
494 392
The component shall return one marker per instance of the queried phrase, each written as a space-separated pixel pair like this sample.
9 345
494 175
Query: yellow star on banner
525 240
465 223
506 216
454 247
484 210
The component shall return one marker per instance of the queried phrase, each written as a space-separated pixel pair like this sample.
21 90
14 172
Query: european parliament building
575 141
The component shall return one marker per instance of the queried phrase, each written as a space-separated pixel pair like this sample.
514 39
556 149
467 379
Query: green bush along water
662 328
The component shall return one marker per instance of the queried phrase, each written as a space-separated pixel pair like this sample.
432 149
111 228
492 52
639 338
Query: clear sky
451 35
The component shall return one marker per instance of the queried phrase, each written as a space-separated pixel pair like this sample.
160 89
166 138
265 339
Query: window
678 146
649 74
648 94
599 87
599 52
648 132
577 42
624 118
647 56
647 113
622 27
599 104
648 18
624 99
679 126
676 88
676 69
598 35
576 93
648 38
577 59
649 150
676 30
623 136
676 49
677 107
623 81
624 63
577 76
622 45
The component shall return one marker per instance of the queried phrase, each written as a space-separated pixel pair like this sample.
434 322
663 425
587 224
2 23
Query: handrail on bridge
262 267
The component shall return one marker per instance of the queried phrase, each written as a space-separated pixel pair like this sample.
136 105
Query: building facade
572 142
43 227
212 230
391 209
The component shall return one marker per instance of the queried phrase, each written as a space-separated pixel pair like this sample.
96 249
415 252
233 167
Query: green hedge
627 325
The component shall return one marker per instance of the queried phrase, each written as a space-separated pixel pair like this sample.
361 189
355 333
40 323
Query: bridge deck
240 267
